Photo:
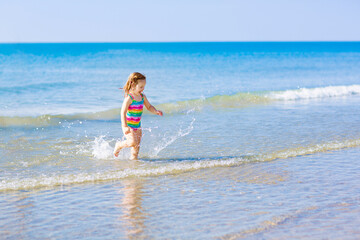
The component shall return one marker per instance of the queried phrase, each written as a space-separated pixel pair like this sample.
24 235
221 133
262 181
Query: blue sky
182 20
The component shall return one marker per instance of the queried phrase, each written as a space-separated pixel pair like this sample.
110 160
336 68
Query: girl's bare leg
118 147
137 139
132 140
129 142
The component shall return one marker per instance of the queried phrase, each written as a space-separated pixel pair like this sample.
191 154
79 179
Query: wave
160 167
313 93
239 100
56 119
269 224
276 221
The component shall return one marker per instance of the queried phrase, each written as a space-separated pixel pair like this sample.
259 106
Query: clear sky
181 20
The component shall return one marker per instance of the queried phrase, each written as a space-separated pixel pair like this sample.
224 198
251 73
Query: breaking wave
239 100
312 93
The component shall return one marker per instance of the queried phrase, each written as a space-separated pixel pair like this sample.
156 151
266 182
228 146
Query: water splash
101 148
167 140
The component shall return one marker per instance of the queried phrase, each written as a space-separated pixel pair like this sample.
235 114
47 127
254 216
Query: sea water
258 140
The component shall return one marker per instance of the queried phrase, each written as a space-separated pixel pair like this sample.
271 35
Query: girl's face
139 88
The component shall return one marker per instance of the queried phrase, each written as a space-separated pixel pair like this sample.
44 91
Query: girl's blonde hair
132 81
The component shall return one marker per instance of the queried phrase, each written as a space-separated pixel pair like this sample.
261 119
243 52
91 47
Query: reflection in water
133 213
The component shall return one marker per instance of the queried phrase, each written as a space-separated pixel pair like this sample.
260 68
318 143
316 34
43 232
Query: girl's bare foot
134 158
117 149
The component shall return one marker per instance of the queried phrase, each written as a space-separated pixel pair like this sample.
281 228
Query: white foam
68 179
312 93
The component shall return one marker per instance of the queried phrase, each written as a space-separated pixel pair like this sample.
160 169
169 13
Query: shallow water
302 197
258 140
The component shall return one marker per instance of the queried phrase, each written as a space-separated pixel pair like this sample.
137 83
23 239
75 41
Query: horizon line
128 42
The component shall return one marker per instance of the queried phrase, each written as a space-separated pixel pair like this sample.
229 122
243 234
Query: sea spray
101 148
169 139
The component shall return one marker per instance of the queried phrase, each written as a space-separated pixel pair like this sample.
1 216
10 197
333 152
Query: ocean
259 140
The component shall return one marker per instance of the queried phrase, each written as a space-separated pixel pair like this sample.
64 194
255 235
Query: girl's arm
124 108
151 108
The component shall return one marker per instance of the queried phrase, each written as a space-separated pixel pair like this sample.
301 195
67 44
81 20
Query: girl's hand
126 130
158 112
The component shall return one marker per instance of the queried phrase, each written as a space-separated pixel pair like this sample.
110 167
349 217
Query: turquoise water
258 140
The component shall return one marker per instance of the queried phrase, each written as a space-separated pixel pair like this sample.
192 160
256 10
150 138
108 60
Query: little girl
131 112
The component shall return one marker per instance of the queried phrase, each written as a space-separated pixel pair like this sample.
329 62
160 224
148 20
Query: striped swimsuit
135 110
